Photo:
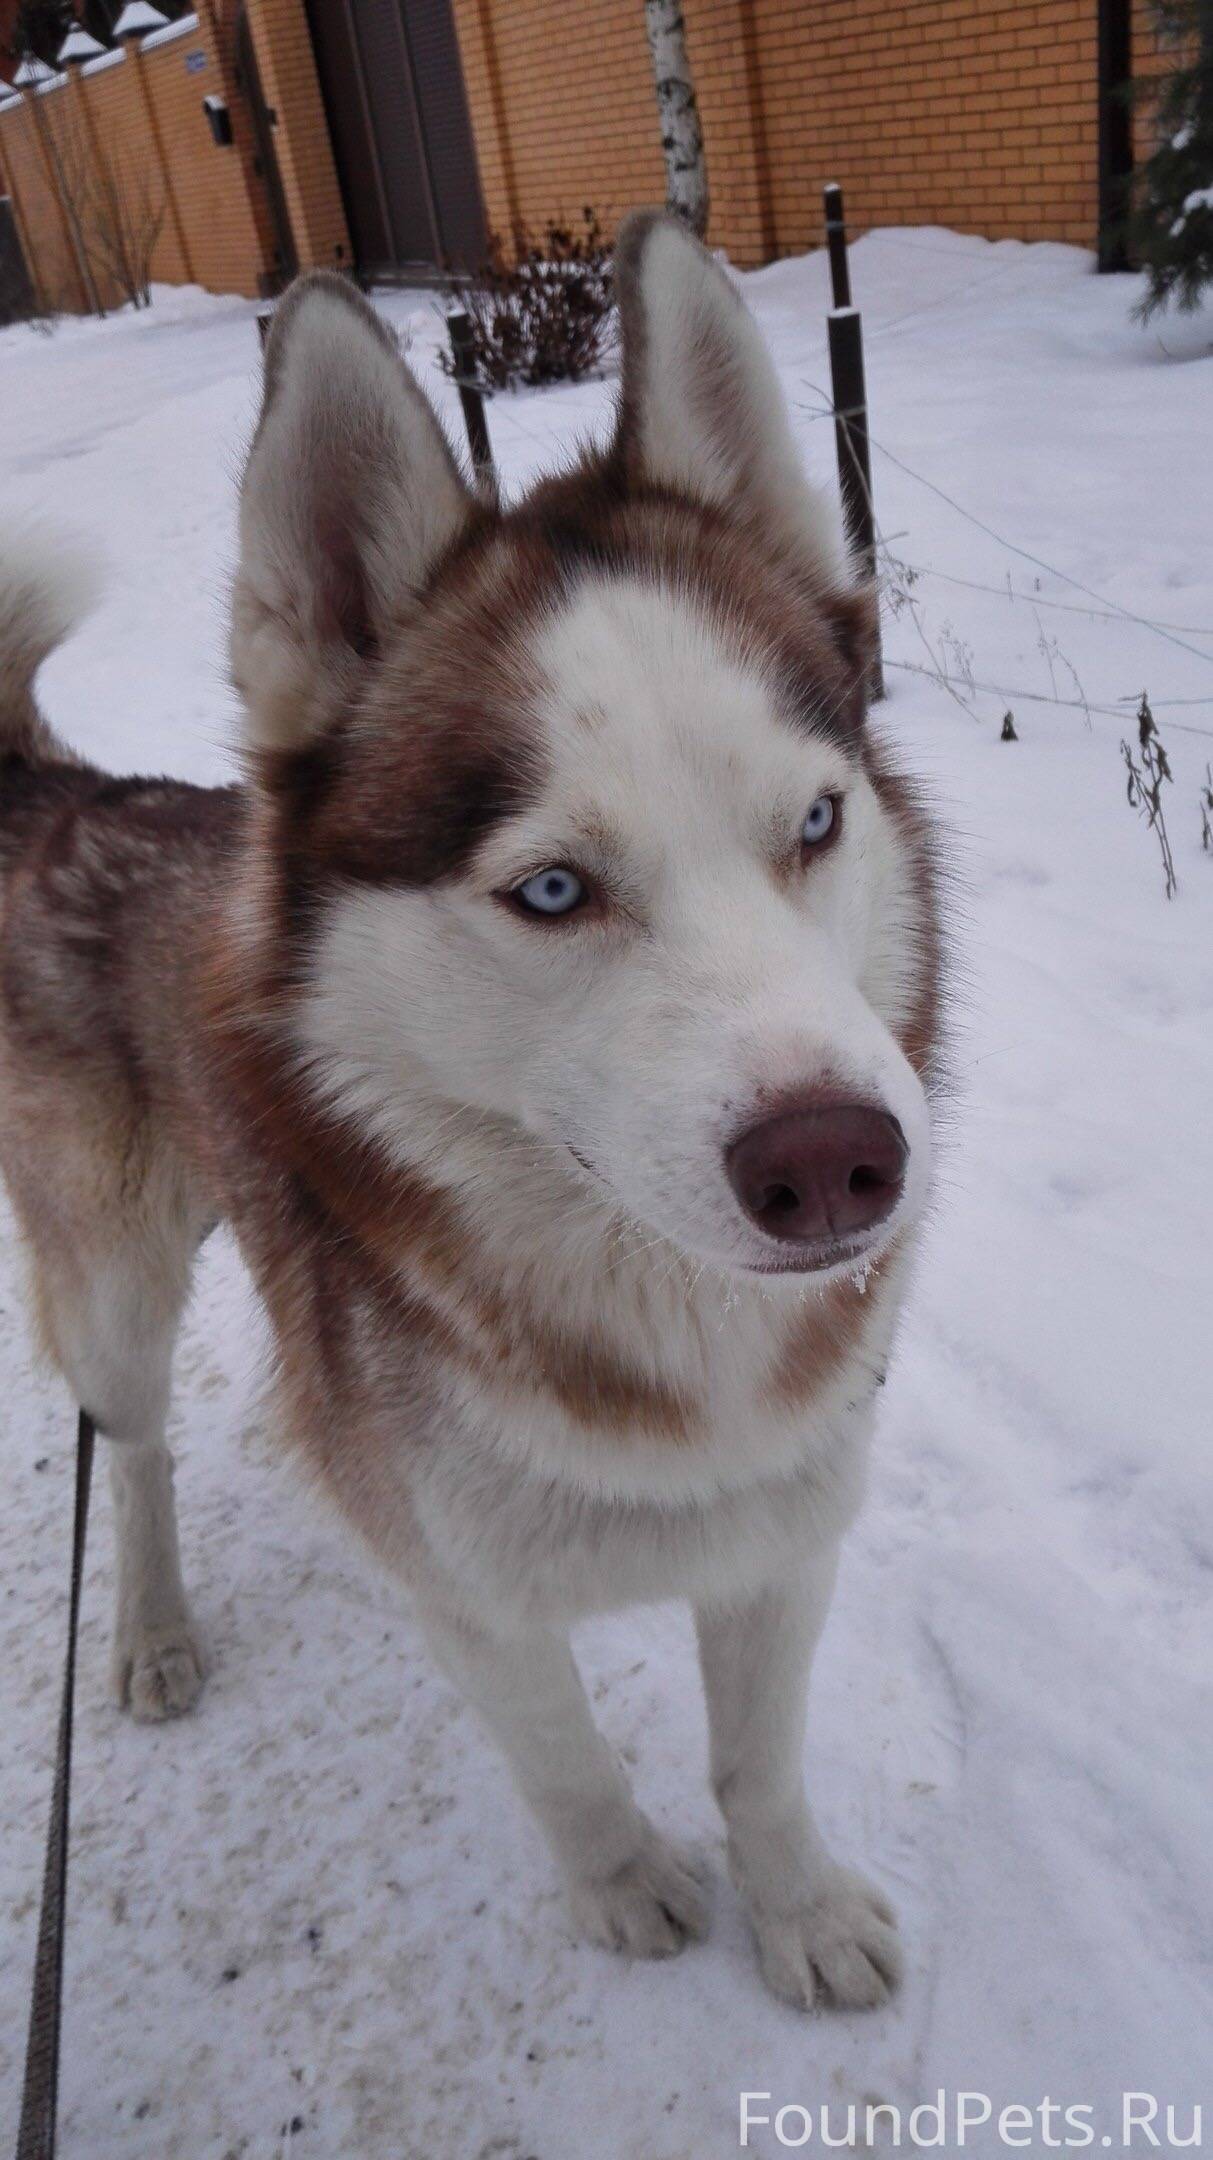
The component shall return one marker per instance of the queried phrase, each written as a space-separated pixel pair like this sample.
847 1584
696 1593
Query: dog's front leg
626 1888
815 1922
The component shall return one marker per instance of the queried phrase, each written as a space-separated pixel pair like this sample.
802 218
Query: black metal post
1115 70
471 396
836 241
850 406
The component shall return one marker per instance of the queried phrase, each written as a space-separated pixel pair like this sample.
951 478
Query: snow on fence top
50 80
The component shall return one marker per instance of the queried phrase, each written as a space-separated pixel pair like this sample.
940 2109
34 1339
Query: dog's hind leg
157 1663
111 1270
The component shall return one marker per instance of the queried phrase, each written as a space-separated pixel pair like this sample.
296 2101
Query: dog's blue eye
819 822
551 892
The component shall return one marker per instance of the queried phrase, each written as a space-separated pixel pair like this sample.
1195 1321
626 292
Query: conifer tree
1171 229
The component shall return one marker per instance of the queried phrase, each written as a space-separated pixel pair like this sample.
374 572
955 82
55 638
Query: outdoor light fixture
219 120
31 72
79 44
138 17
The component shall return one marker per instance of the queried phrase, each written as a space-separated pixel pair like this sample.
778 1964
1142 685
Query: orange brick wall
949 112
735 98
44 239
214 229
562 108
309 177
980 114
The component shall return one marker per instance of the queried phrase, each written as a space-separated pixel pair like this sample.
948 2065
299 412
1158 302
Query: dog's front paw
650 1907
841 1941
158 1673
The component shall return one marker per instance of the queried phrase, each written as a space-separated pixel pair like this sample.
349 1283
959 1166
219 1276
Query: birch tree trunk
686 169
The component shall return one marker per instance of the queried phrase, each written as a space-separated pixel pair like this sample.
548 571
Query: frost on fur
47 586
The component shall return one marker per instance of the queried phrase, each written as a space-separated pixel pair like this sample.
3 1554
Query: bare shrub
1149 772
544 317
122 217
115 207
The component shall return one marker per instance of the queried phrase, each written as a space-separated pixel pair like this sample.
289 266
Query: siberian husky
553 1015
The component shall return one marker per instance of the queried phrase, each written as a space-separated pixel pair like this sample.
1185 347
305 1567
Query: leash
40 2093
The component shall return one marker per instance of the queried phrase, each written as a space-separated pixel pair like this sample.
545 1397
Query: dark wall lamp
219 120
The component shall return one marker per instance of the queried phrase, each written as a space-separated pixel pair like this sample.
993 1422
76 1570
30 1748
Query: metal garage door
397 111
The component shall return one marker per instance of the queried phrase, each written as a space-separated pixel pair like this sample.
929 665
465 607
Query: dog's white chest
526 1542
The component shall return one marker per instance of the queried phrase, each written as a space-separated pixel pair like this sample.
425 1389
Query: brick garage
453 118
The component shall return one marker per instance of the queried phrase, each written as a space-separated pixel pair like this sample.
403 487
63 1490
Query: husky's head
578 832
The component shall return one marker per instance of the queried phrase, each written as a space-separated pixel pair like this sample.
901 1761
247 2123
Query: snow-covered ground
311 1919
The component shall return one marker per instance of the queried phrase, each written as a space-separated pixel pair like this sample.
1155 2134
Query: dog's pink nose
823 1172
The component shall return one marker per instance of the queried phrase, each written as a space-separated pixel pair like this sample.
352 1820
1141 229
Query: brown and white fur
527 1337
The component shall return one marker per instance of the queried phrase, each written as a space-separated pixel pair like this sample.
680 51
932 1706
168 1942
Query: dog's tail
47 584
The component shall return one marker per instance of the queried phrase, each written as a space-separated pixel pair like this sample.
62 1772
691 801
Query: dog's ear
350 495
702 409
